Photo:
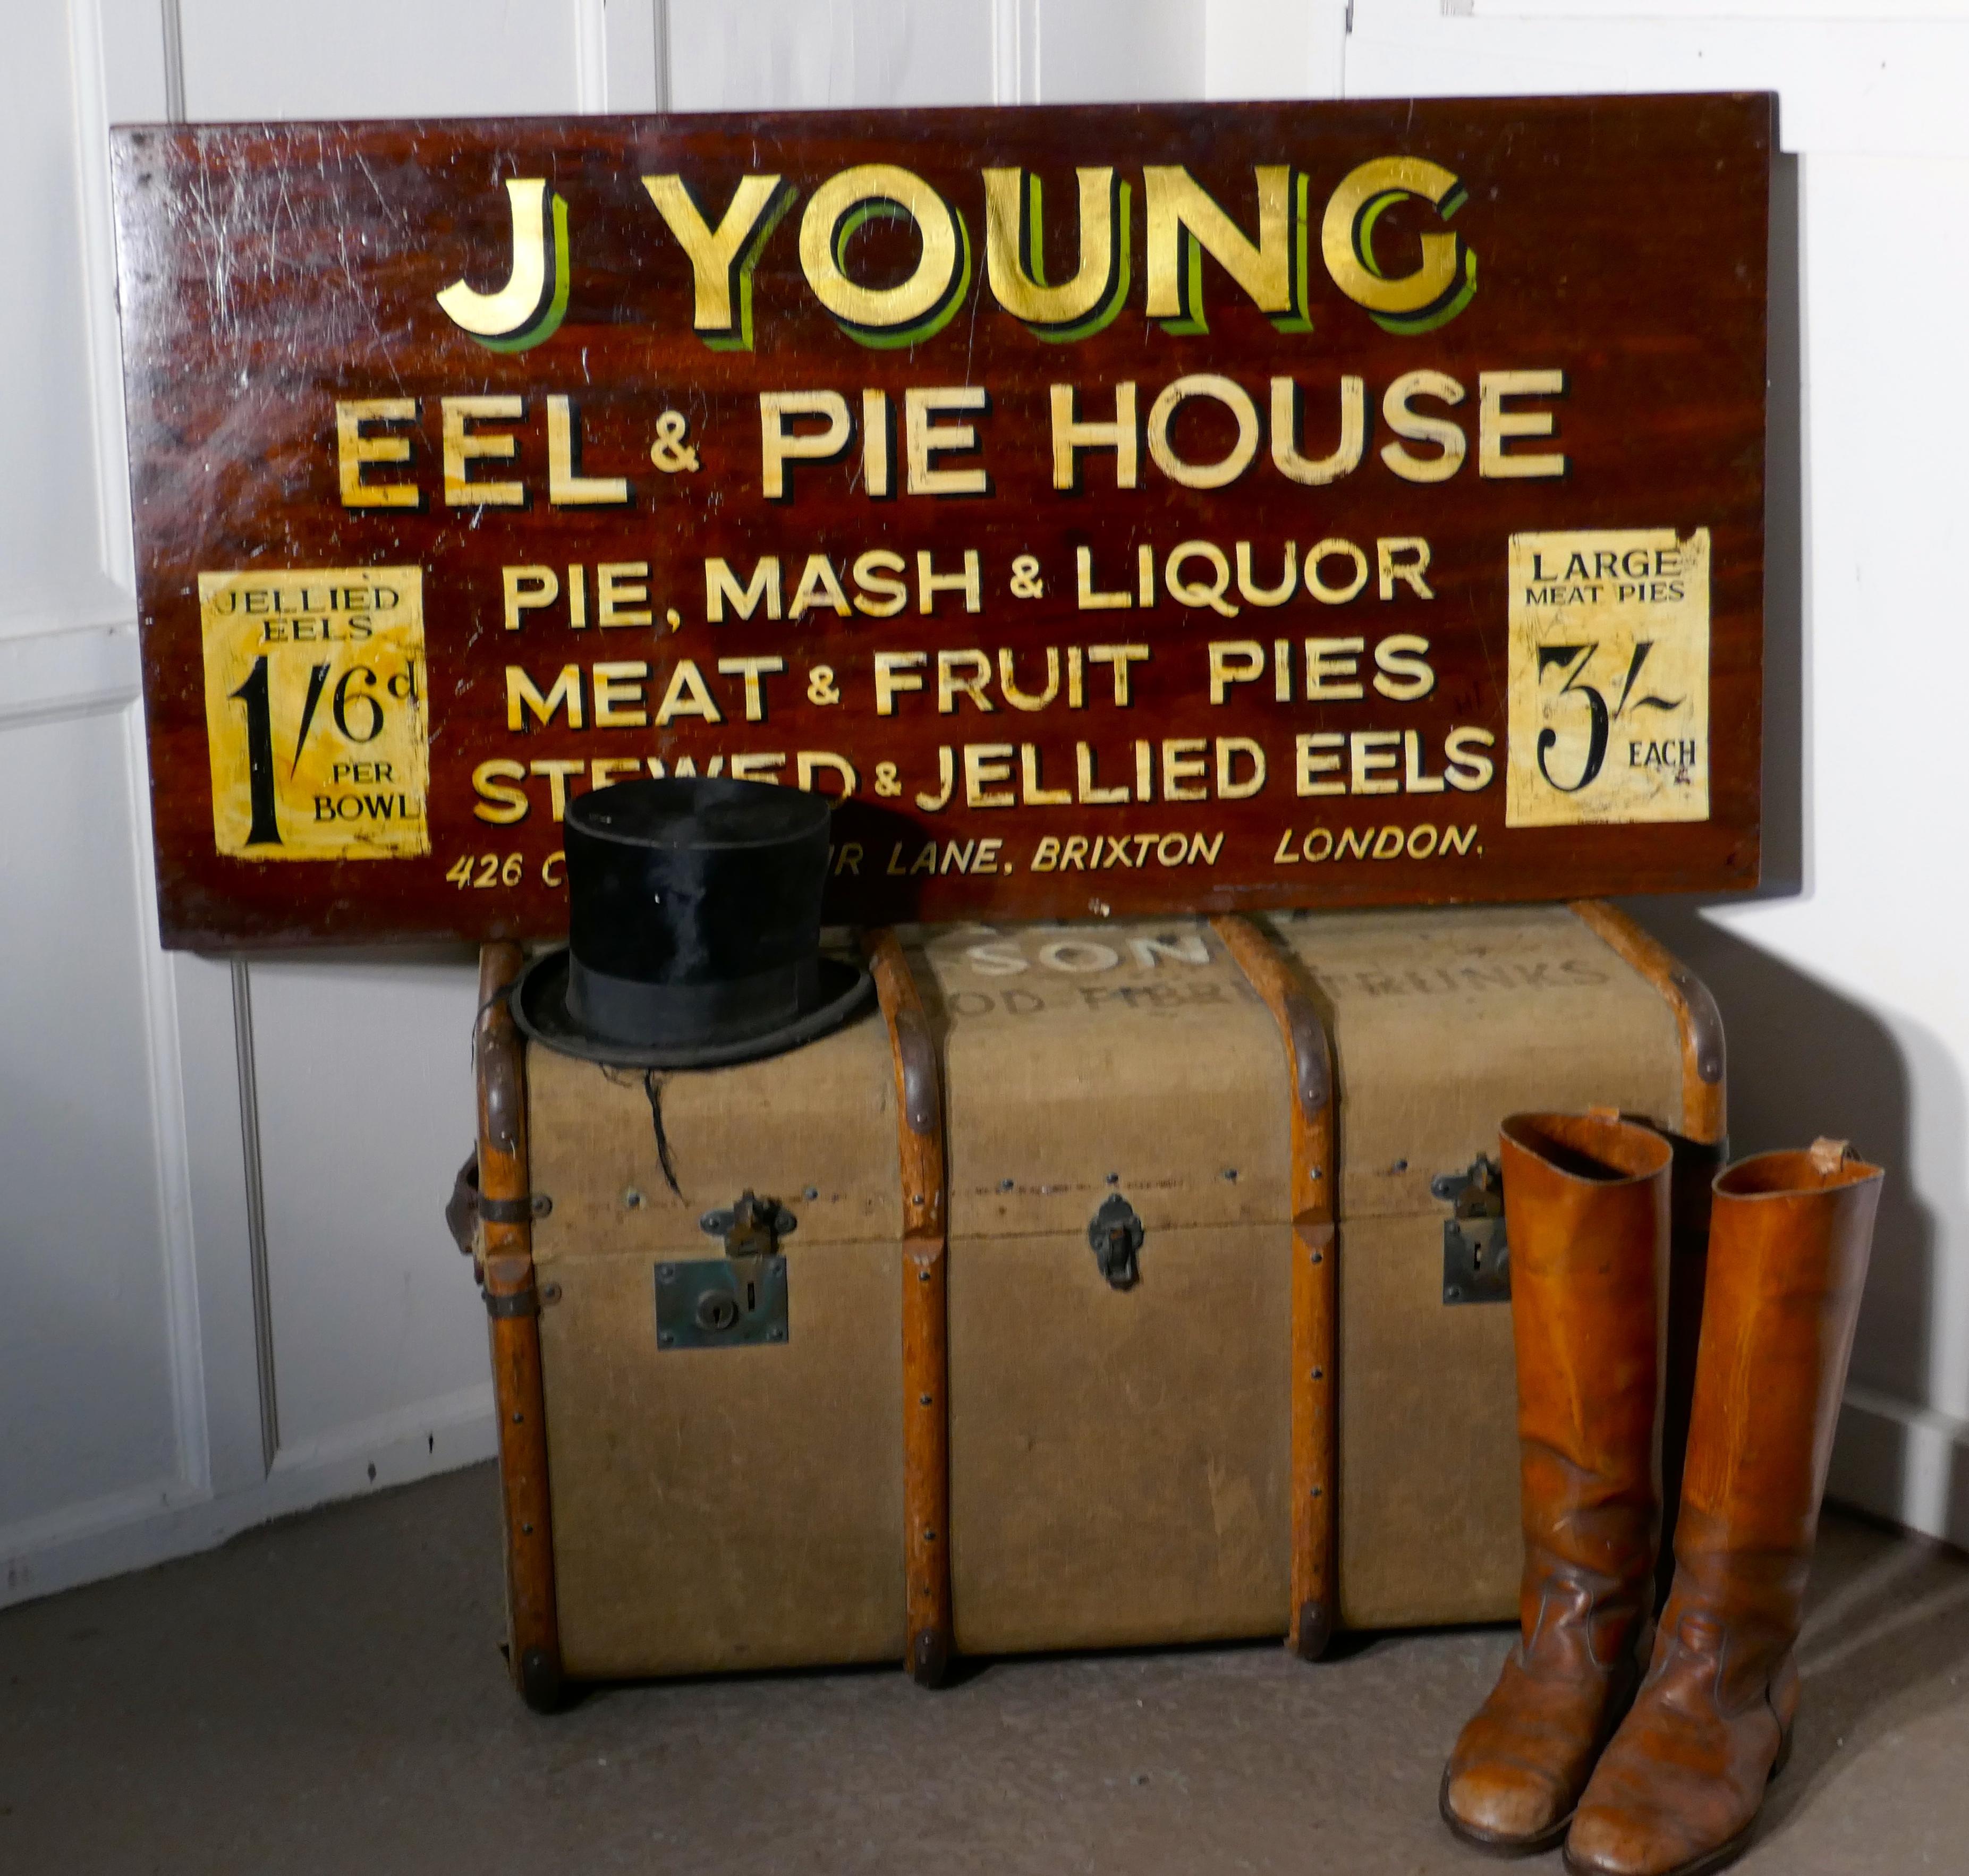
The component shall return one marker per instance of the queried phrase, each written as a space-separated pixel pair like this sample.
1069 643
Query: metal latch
1116 1233
752 1228
736 1301
1476 1256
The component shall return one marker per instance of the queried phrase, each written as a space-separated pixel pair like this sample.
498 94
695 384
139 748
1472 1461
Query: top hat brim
540 1008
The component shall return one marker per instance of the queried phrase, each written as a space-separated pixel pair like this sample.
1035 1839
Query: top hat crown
693 929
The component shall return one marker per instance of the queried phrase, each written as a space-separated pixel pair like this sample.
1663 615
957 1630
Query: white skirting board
1908 1465
1904 1464
147 1525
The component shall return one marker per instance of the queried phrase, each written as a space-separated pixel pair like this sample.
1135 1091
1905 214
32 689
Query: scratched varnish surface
951 655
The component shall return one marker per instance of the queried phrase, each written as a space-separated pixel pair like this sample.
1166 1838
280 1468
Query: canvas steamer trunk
1114 1283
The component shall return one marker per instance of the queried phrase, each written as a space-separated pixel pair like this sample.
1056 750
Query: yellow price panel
1609 678
315 713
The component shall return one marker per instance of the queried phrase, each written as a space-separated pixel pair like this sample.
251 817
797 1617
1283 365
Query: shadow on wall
1787 771
1803 1059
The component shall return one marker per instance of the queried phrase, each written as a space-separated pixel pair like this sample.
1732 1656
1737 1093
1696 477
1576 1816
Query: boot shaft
1586 1204
1586 1201
1790 1234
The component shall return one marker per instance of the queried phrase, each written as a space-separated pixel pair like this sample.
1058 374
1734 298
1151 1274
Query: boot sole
1490 1842
1721 1858
1724 1855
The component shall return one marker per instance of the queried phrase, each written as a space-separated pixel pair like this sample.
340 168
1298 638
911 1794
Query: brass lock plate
1476 1261
722 1302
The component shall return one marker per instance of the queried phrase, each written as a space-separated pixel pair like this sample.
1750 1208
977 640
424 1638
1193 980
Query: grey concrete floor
326 1696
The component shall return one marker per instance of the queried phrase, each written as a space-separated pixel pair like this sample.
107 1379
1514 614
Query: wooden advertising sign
1126 509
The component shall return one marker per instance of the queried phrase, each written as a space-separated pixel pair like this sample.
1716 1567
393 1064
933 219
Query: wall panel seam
97 238
256 1213
173 27
1015 51
171 1140
591 57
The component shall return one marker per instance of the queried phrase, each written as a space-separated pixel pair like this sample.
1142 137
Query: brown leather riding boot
1586 1211
1679 1789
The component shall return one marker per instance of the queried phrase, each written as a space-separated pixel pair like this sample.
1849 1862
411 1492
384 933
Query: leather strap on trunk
1314 1376
505 1213
925 1325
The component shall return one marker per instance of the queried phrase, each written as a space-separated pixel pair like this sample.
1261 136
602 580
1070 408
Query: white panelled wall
209 1319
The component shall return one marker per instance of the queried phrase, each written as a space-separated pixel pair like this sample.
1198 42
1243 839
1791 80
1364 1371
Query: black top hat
693 928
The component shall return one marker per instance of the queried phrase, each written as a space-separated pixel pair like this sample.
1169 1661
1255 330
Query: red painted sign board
1124 509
